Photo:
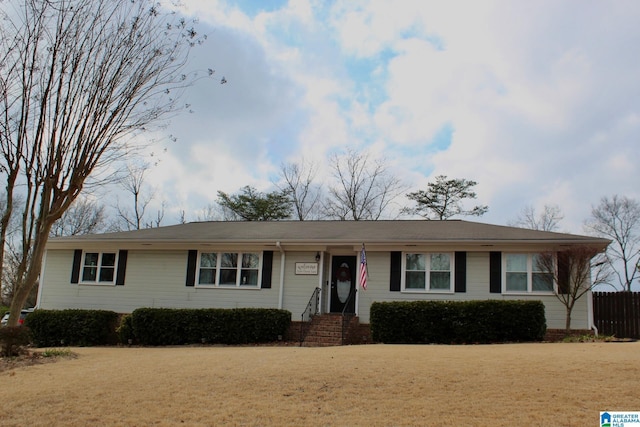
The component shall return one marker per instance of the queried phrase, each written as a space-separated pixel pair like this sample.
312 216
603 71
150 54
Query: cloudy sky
539 102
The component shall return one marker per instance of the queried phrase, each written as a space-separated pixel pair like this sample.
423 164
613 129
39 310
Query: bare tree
182 219
575 271
159 217
11 256
297 179
215 212
618 218
364 189
547 220
135 216
84 216
10 280
79 80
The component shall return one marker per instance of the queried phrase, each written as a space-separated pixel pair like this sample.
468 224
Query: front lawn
564 384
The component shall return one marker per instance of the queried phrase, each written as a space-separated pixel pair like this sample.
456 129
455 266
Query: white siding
477 289
298 288
153 279
157 279
379 268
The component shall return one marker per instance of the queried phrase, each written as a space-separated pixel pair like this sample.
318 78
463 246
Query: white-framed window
99 268
522 274
229 269
427 272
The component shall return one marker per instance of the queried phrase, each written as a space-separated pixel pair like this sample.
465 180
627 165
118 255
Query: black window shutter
564 266
396 272
122 267
495 272
460 280
267 268
191 268
75 269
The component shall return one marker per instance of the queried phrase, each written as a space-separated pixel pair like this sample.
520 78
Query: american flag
363 269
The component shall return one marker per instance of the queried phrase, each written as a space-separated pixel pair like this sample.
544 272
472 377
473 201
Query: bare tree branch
575 271
79 79
132 217
364 189
618 219
213 212
84 216
547 220
297 180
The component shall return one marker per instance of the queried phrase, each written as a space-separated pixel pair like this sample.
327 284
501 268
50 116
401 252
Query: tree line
361 189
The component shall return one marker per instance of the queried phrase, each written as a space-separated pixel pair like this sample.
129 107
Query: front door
343 284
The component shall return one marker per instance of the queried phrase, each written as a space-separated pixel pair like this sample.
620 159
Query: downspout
592 324
320 280
281 292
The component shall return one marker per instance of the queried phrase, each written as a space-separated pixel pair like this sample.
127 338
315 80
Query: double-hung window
428 272
524 273
99 268
229 269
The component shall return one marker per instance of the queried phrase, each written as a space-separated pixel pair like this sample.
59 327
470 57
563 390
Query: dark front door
343 284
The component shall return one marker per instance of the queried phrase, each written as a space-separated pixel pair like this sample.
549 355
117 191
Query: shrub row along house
284 264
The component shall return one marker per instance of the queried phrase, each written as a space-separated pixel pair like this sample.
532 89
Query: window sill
227 287
95 284
418 291
533 294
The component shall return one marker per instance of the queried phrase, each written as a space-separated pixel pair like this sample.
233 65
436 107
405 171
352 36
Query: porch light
317 256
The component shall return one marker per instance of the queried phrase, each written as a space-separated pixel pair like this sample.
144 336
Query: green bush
456 322
166 326
13 339
52 328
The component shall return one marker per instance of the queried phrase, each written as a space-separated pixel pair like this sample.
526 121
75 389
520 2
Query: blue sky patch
369 76
442 139
284 139
254 7
420 153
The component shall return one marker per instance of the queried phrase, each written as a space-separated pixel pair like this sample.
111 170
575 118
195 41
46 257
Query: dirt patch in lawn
30 358
564 384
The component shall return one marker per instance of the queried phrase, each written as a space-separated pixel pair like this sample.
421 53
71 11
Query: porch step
326 330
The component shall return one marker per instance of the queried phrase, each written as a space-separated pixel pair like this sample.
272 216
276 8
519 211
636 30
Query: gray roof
333 232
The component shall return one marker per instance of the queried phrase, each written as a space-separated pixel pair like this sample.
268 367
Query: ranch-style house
282 264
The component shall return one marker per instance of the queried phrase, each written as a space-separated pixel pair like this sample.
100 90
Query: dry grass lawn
372 385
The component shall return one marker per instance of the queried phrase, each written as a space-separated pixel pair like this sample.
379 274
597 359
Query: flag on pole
363 269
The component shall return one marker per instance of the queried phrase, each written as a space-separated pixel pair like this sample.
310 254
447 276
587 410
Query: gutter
282 260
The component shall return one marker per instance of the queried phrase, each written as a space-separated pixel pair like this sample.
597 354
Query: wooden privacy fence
617 313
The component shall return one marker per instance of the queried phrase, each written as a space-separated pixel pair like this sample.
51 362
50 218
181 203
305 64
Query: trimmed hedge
457 322
166 326
50 328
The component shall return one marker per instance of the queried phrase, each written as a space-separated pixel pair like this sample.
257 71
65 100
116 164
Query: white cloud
543 98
